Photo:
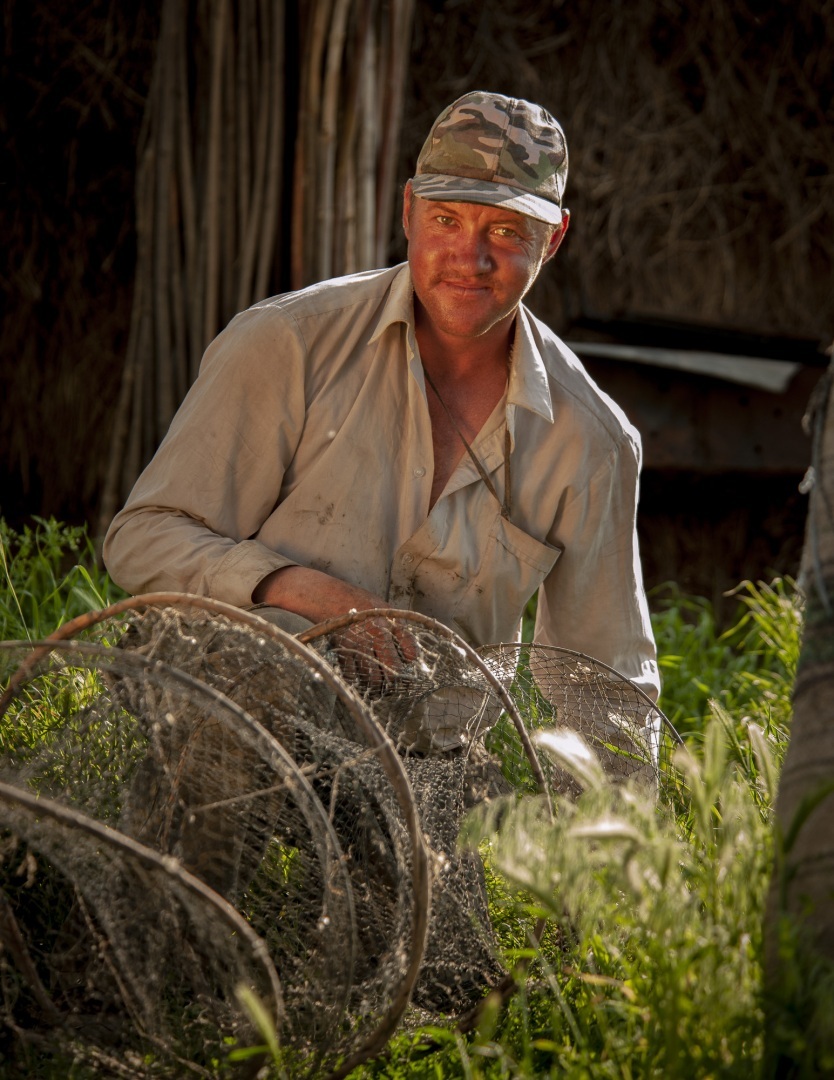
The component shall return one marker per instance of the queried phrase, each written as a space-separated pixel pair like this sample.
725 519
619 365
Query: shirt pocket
512 567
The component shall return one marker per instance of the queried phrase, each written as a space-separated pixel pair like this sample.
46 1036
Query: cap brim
441 188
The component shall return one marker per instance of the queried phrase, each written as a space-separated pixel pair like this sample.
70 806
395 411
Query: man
412 437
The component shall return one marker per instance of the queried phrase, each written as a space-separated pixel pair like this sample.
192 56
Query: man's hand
371 653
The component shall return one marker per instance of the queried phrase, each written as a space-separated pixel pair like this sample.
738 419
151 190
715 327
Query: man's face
472 264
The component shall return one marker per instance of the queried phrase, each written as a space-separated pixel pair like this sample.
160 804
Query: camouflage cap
500 151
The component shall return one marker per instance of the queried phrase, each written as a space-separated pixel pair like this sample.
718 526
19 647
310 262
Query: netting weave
193 801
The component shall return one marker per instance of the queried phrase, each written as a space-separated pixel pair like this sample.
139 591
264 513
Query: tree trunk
799 920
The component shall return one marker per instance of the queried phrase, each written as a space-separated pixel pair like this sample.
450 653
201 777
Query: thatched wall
701 140
701 137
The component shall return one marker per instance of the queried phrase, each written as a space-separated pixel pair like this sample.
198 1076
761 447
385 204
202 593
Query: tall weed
748 669
48 574
661 973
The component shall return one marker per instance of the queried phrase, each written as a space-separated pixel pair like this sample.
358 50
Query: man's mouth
465 286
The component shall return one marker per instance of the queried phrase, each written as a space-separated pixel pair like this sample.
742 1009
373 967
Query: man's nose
472 251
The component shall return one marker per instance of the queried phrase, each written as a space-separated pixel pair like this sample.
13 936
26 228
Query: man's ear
557 237
407 197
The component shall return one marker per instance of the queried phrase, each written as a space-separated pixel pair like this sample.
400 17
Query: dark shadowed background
165 165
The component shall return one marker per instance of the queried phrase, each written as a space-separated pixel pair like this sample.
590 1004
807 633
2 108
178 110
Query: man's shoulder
571 384
323 321
368 287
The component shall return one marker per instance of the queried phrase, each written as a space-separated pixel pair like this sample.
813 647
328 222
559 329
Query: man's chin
464 320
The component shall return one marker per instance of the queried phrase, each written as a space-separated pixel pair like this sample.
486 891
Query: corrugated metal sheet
763 374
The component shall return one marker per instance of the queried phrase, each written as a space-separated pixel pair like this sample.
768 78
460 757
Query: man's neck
466 378
455 359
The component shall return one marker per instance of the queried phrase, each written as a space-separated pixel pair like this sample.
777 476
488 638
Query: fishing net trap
199 811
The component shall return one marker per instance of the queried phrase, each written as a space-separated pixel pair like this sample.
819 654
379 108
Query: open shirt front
306 440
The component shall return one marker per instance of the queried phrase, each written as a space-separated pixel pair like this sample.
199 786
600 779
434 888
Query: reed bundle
257 170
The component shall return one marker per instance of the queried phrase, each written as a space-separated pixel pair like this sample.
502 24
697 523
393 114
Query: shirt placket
418 476
413 552
432 534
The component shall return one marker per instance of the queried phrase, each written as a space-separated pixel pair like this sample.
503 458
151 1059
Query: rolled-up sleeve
593 601
190 520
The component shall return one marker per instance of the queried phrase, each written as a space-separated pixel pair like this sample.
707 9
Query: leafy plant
49 574
662 974
748 669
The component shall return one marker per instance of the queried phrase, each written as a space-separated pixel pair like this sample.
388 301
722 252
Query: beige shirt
306 440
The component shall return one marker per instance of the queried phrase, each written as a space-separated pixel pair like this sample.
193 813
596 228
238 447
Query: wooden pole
274 185
210 189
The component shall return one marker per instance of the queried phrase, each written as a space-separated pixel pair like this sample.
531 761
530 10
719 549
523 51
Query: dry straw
702 155
701 140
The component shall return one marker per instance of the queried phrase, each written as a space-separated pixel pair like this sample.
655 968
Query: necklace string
506 502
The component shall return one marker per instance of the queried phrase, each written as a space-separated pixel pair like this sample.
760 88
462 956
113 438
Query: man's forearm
371 653
313 594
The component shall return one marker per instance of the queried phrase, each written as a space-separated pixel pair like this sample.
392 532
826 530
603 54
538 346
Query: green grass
48 574
748 669
658 971
651 965
659 974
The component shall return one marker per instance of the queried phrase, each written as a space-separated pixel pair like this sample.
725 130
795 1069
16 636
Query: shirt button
408 558
420 471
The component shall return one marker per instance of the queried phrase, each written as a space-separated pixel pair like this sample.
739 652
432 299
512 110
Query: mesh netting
113 956
447 697
463 721
555 687
314 786
168 760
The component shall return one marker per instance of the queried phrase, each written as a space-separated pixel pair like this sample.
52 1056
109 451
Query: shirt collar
399 304
528 387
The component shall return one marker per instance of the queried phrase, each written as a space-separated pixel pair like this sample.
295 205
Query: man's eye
505 230
444 219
